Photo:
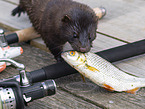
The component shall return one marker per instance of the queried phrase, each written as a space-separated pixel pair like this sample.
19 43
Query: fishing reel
18 91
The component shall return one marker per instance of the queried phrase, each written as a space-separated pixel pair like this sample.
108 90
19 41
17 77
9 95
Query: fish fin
83 78
107 87
133 91
91 68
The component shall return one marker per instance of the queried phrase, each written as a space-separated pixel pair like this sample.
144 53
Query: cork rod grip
27 34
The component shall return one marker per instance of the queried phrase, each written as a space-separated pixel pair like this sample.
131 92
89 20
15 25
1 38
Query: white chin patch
67 47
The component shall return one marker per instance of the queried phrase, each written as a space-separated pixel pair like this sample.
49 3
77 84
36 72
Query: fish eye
72 53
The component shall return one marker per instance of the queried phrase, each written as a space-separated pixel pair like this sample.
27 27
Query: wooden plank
14 22
102 43
61 100
134 65
15 2
124 19
129 27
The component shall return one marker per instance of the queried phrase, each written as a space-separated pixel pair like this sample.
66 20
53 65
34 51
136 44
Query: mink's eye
75 35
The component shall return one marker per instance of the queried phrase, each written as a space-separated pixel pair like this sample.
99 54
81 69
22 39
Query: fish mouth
63 55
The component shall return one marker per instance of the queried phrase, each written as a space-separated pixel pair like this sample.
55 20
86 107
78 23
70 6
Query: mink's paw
18 10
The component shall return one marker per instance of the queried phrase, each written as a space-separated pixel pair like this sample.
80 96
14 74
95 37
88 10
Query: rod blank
112 55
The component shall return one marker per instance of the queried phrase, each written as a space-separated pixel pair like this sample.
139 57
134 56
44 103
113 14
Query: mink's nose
83 50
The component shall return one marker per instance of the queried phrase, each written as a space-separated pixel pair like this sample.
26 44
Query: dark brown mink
61 21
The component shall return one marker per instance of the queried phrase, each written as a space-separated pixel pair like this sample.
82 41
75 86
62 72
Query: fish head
74 57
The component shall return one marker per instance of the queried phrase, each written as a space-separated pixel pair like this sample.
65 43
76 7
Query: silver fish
102 72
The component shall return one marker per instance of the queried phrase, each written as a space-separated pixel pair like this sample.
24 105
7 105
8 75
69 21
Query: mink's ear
66 19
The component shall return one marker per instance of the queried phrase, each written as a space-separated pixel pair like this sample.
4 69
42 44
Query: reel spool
7 98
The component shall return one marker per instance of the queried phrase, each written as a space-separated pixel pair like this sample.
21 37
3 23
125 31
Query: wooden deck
125 21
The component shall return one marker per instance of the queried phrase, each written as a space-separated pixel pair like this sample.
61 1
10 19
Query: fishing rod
21 35
112 55
63 69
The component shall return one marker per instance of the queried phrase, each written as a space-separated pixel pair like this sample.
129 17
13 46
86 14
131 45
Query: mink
61 21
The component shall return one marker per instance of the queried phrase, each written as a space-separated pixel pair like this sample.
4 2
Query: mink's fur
61 21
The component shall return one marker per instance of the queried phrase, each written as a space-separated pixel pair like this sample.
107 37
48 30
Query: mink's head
79 27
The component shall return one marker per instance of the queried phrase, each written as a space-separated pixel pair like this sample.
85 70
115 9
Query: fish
102 72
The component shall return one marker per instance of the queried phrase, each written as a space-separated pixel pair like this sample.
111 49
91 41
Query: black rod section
124 51
12 38
112 55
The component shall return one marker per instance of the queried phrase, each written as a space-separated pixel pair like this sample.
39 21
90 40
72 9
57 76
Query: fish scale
102 66
102 72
